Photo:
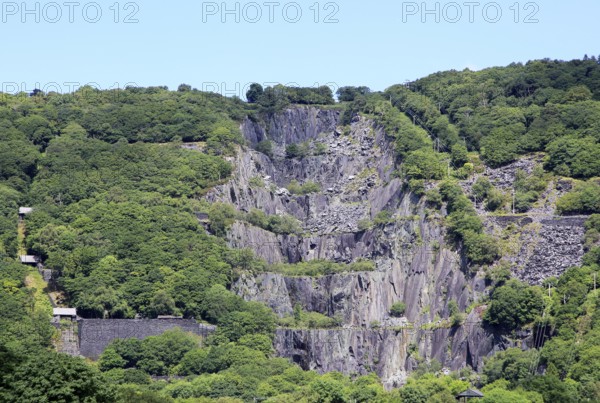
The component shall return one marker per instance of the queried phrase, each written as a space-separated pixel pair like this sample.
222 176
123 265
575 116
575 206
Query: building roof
65 311
470 393
28 259
25 210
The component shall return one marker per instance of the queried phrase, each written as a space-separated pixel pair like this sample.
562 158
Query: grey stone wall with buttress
96 334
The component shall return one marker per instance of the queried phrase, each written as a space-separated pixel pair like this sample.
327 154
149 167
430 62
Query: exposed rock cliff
413 262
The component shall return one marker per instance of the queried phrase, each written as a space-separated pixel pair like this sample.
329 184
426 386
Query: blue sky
374 44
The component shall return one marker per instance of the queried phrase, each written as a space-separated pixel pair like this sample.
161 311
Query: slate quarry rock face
414 263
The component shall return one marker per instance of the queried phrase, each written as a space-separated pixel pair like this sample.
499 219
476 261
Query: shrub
584 199
499 148
256 182
294 187
284 224
495 200
424 164
481 248
365 224
221 217
464 225
279 224
297 150
265 147
397 310
257 218
482 187
382 218
417 186
528 188
309 187
514 305
456 317
459 155
434 198
320 148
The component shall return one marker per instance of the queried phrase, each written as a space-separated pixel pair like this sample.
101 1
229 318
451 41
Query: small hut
23 211
469 394
28 259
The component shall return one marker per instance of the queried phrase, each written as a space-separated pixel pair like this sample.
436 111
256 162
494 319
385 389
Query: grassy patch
302 319
316 268
35 282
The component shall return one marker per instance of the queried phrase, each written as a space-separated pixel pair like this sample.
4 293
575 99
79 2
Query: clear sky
346 42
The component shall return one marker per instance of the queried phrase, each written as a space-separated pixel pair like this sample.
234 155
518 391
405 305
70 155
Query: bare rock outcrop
413 262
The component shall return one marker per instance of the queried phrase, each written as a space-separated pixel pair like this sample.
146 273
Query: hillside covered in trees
117 180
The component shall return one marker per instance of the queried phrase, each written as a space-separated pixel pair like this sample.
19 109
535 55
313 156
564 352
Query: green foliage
136 114
48 376
528 188
424 164
583 199
417 186
256 182
498 274
315 268
459 155
77 168
308 320
265 147
275 99
464 225
513 365
434 198
426 113
514 305
456 317
320 149
495 200
155 355
499 148
483 190
307 188
221 217
507 111
482 187
481 248
397 310
364 224
574 156
300 150
502 395
252 318
254 93
279 224
349 94
427 387
382 218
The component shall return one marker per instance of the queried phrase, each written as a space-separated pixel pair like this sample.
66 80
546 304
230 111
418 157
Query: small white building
28 259
23 211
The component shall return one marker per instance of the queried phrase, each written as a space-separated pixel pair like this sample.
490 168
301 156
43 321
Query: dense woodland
117 197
